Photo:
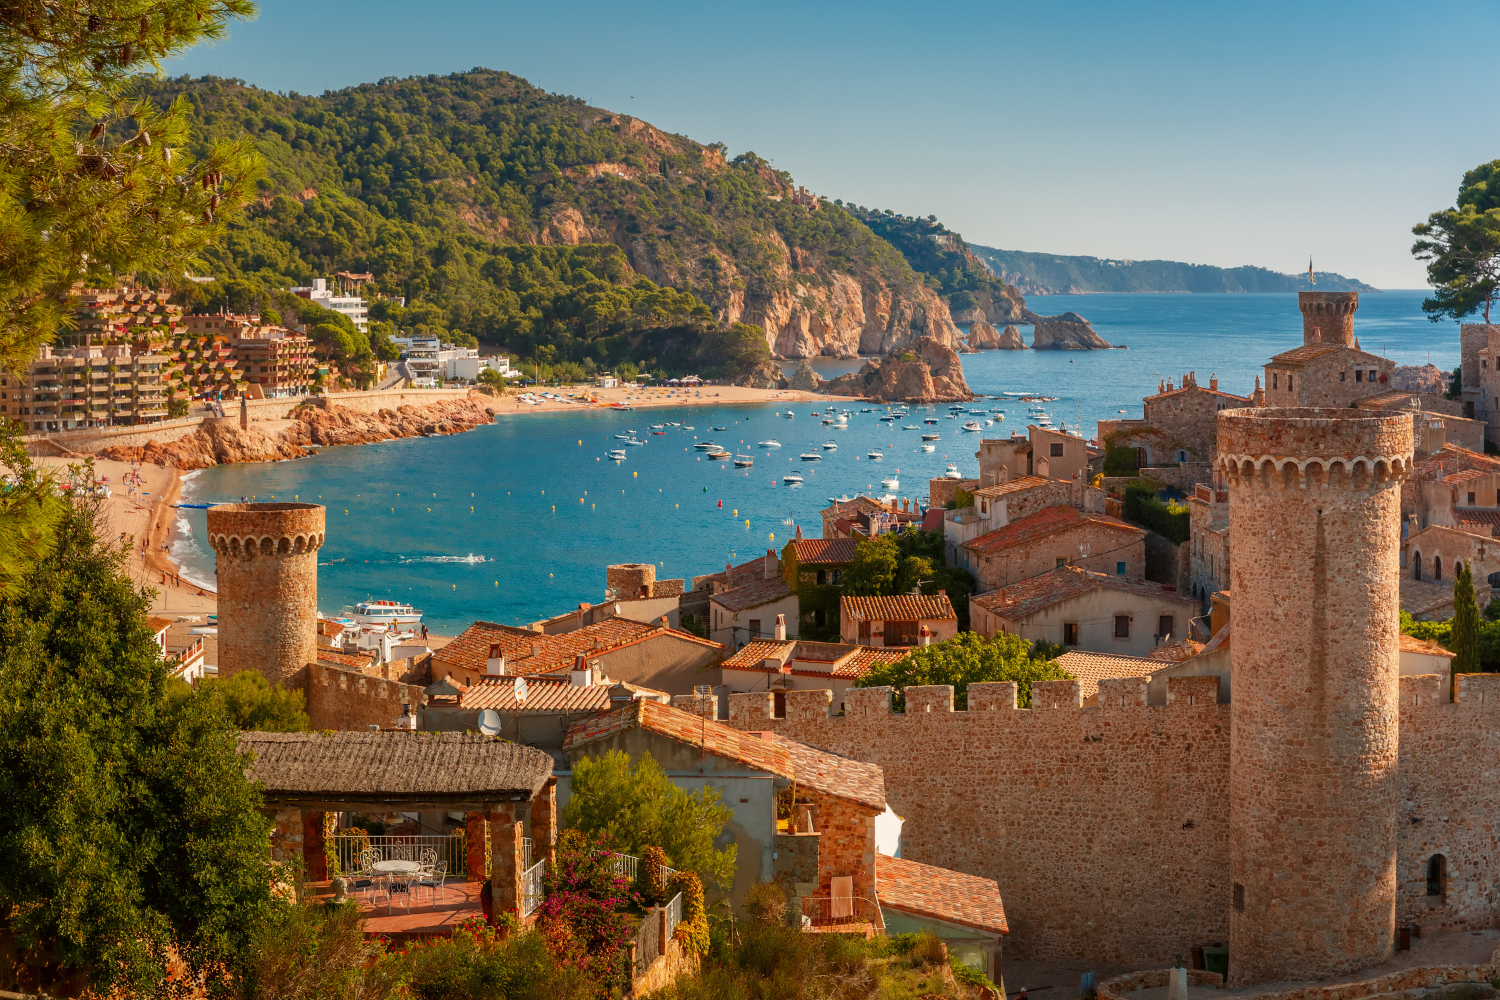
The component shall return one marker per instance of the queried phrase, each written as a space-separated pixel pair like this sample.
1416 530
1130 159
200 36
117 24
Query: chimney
598 644
1213 381
665 623
781 628
942 593
536 650
924 637
1356 343
1193 377
770 563
799 532
1161 387
581 675
495 665
407 720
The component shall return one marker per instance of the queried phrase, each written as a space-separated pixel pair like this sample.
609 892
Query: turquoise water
489 524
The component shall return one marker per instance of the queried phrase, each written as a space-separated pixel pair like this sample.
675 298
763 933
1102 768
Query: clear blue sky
1214 133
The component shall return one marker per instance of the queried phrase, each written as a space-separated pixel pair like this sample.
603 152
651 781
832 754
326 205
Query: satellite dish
521 690
489 722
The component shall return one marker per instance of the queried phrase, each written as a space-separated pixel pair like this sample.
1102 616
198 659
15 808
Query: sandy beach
651 397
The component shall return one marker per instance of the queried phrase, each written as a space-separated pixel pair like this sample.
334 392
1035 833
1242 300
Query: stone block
1193 690
751 707
989 696
1123 692
1056 694
867 701
804 705
1423 690
929 698
1479 690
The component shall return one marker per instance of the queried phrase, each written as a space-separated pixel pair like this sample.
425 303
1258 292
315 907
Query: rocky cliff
1068 332
930 372
805 378
222 442
1420 378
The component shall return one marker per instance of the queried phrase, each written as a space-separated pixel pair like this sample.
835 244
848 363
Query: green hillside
522 218
1051 274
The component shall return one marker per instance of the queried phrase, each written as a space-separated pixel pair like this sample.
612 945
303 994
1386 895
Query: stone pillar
286 834
476 833
314 851
1315 506
244 412
544 823
507 827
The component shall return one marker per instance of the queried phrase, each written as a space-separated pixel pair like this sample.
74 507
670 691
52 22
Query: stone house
849 510
1436 420
815 568
1084 610
1057 454
1208 562
742 615
1479 347
1433 555
903 620
1323 374
997 505
1051 537
636 652
1001 459
1177 424
782 666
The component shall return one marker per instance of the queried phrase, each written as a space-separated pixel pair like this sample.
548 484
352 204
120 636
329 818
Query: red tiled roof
543 696
853 662
941 894
356 660
1468 475
1200 388
1047 521
1091 668
867 658
1018 600
471 650
752 653
824 551
1411 644
738 576
932 520
859 505
752 595
817 769
1174 651
901 608
1015 486
1478 522
158 625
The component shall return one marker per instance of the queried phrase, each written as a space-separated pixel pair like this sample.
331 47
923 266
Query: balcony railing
346 847
837 911
531 888
674 915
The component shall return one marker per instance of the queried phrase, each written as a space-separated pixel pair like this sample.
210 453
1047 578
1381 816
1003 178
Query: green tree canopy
1465 637
129 824
641 807
966 659
873 572
1462 248
894 562
249 701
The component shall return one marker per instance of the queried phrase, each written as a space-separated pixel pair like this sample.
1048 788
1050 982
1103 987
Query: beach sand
714 395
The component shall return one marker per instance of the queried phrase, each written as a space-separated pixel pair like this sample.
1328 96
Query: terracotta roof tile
543 696
824 551
1466 476
1018 600
901 608
752 595
941 894
158 625
1299 356
1200 388
1411 644
817 769
471 650
1173 651
1091 668
358 661
1015 486
859 505
1047 521
867 658
752 653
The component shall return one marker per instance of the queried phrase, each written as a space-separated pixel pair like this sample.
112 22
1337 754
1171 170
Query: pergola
304 775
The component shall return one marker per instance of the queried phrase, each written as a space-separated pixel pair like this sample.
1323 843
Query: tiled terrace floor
457 902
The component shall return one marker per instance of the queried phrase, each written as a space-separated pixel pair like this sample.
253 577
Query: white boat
875 456
687 428
890 483
830 446
705 446
617 454
657 427
929 447
385 613
988 422
930 420
773 443
788 414
811 456
931 437
792 479
912 427
718 456
952 472
635 442
721 428
971 425
842 418
626 437
887 419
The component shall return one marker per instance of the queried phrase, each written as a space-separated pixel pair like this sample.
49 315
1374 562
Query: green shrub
1171 520
652 876
766 902
692 931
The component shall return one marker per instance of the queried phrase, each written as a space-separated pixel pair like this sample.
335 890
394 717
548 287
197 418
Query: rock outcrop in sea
222 442
764 376
1068 332
1420 378
805 378
984 337
930 372
1011 340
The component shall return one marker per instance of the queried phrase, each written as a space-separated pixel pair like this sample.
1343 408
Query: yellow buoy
497 583
747 522
580 442
736 513
393 510
634 474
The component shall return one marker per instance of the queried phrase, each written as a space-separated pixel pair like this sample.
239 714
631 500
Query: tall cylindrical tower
268 587
1328 317
1315 511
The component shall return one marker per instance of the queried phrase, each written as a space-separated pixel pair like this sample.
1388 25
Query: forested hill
1051 274
530 219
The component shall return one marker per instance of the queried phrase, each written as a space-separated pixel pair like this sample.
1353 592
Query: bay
515 521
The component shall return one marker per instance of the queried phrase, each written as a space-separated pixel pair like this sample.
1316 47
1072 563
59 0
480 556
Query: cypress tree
1465 637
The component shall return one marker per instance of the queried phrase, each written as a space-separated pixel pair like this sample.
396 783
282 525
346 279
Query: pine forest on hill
525 219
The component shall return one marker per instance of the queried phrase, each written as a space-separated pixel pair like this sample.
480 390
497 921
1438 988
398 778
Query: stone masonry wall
1107 546
1106 828
350 700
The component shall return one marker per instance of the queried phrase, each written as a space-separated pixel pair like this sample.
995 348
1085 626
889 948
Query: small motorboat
830 446
843 418
931 437
929 447
657 427
658 432
875 456
792 479
636 442
811 456
957 407
773 443
815 413
617 455
866 410
788 414
887 419
743 461
626 437
705 446
930 420
687 428
721 428
890 483
952 472
718 456
971 425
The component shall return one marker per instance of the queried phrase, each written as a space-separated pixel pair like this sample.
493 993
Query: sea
515 521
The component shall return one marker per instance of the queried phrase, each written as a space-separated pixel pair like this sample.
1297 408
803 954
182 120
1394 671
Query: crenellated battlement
1474 691
1310 449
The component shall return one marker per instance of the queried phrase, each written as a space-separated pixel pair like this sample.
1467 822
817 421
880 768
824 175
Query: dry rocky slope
1420 378
222 442
1068 332
984 337
930 372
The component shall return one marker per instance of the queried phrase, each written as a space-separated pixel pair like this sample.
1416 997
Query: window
778 708
1275 381
1070 633
1062 561
1471 499
1239 898
835 580
1358 375
1164 625
820 617
864 633
1416 567
1437 875
1372 374
900 633
1288 381
1119 569
822 576
1142 460
1182 456
1437 569
1056 450
1122 626
755 628
1341 376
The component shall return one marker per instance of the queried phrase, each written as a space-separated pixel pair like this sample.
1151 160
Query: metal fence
531 886
674 915
627 865
647 941
344 850
831 911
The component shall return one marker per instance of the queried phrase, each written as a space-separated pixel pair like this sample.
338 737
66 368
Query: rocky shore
928 372
984 337
1068 332
223 442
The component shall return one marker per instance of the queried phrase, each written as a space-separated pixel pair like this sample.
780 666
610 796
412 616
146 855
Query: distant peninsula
1051 274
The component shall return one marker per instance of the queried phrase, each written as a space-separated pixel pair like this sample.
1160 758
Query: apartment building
86 386
352 306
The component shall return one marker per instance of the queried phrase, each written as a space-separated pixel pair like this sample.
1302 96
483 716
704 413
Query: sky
1213 133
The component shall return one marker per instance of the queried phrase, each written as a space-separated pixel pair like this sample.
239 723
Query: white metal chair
432 880
364 876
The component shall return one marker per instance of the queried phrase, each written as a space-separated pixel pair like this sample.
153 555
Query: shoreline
641 399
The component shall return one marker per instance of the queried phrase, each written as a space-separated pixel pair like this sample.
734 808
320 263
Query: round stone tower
1315 507
268 587
1328 317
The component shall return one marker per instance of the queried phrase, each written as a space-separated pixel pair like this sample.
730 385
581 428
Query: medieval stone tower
1328 317
1315 509
268 587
